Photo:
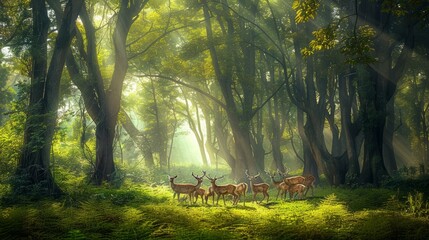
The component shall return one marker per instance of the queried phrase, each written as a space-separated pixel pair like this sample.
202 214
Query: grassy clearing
149 212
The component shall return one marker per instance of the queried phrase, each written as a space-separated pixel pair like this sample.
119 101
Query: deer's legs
278 194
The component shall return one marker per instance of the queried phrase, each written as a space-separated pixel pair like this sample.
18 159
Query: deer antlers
196 177
223 190
186 188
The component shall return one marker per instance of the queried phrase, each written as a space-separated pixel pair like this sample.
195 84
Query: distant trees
377 42
248 77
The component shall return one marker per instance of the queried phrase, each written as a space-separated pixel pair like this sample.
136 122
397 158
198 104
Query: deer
200 192
185 188
258 187
297 189
308 180
241 189
204 194
222 190
209 193
278 184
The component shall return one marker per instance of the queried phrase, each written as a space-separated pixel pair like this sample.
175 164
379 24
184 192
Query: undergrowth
144 208
142 211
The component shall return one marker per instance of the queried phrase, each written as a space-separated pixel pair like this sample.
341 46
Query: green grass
141 211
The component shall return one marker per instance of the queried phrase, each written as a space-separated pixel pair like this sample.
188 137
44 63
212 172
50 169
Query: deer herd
294 185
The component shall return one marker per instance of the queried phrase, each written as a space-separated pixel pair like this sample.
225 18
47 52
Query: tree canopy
338 89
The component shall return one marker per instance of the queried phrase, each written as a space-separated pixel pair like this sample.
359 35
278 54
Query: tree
101 102
223 62
377 88
33 167
370 45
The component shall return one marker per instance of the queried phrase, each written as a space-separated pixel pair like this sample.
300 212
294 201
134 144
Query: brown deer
200 192
223 190
258 187
278 184
204 194
185 188
309 183
241 189
308 180
296 189
209 193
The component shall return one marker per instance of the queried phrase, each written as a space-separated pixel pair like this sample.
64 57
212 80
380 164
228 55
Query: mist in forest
221 119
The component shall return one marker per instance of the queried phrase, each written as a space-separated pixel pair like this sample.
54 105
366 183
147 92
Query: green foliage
11 133
324 39
358 46
305 9
145 212
416 205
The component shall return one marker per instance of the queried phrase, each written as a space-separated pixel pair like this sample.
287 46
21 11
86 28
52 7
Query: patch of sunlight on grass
150 212
360 198
331 214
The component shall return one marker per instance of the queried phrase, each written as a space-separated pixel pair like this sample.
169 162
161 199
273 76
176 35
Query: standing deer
209 193
185 188
278 184
258 187
223 190
297 189
241 189
308 180
309 183
200 192
204 194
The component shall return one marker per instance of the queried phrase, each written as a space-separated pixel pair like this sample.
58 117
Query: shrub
416 205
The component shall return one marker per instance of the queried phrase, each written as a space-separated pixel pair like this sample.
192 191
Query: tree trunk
34 162
346 96
239 120
373 113
108 101
196 129
209 144
381 83
310 166
139 139
222 137
275 127
104 165
388 151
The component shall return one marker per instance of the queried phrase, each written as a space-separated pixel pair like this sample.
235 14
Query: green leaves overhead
324 38
358 47
305 9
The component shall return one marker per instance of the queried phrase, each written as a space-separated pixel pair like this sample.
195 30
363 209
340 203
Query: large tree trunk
104 165
346 96
380 85
244 159
258 147
105 111
389 131
239 120
277 121
34 164
374 115
310 166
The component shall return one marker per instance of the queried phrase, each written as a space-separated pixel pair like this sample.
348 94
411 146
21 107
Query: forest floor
141 211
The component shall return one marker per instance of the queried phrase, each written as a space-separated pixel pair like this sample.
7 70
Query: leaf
305 9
